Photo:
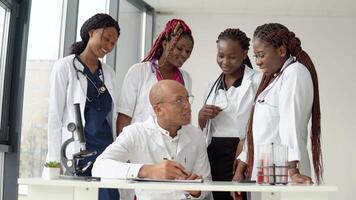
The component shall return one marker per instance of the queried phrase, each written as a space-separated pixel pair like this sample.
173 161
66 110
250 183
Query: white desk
40 189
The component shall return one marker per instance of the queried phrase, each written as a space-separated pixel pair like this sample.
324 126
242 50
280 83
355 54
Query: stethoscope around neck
101 89
216 86
219 81
276 77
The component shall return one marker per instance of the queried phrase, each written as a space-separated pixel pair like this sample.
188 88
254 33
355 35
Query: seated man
163 147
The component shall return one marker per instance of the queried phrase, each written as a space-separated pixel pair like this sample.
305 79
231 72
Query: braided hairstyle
277 35
236 34
174 30
100 20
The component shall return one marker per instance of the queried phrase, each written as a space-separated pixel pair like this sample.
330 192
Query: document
167 180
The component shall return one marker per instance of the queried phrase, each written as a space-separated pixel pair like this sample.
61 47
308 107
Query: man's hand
193 176
166 169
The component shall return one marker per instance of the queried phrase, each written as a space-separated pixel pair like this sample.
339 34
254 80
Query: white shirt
171 144
65 91
282 113
134 99
145 143
232 121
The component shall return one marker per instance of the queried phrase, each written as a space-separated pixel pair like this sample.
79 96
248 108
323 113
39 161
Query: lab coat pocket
270 104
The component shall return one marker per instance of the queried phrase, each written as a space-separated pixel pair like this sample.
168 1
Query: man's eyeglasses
181 101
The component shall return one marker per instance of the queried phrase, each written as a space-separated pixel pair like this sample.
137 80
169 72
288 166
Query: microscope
71 166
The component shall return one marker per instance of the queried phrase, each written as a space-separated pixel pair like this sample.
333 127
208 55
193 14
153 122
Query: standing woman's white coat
287 100
82 78
170 51
65 91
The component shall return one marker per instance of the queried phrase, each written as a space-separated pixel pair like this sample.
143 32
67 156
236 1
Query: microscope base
81 178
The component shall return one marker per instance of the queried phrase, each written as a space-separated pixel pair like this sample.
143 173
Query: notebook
167 180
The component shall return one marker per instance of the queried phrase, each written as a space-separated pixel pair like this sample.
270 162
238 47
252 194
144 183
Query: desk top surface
205 186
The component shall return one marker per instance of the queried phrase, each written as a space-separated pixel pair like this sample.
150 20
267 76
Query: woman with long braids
164 61
227 104
286 100
82 78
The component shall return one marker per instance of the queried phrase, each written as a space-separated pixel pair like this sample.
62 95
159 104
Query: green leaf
52 164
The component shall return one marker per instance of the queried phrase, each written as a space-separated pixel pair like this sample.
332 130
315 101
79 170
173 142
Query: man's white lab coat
142 143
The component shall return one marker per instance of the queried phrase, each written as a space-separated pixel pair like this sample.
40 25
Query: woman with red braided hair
227 106
286 100
169 52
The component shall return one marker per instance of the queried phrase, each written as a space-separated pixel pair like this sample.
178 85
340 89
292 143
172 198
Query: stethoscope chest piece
102 89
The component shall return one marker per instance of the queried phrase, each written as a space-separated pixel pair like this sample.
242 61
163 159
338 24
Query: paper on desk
167 180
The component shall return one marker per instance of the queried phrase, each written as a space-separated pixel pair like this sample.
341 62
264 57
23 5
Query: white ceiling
341 8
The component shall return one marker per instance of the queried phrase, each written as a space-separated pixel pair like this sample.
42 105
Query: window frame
13 94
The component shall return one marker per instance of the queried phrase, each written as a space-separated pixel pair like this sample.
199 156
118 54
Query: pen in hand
185 173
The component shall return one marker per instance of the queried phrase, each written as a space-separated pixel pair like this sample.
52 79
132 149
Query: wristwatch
187 195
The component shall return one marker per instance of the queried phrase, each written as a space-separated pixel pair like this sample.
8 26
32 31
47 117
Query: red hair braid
173 30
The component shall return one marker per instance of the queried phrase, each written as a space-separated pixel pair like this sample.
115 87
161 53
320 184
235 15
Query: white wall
331 43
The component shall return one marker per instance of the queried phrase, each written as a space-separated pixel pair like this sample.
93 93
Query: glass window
42 51
148 21
1 174
4 30
88 8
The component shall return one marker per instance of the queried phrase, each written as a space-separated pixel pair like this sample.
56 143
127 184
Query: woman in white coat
286 100
82 78
227 106
164 61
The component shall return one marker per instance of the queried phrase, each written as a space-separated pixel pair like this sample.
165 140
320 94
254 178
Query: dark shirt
97 129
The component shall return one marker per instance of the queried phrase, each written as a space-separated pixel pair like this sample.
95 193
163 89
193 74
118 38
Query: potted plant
51 170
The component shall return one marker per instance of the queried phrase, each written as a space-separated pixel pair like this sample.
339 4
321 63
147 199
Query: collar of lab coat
80 95
286 64
155 133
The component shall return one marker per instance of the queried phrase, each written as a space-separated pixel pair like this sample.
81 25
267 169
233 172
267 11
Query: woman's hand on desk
295 175
239 171
166 169
300 178
238 176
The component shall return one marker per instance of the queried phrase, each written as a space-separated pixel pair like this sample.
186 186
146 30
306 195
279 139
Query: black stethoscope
101 89
216 87
219 81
